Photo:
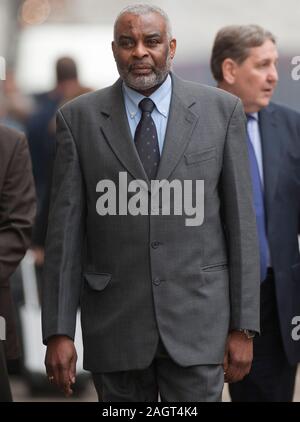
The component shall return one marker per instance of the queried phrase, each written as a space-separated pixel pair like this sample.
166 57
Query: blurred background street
21 393
34 33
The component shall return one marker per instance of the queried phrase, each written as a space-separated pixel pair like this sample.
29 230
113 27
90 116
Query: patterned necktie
146 139
259 207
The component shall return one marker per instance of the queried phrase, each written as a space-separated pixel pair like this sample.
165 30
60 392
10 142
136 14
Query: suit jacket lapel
116 130
179 129
271 148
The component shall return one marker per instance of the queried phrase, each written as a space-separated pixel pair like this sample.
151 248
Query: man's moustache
140 66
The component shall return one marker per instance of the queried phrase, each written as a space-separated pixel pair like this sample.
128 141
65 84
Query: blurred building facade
194 25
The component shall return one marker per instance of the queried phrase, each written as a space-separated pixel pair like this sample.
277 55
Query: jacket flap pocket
97 281
215 267
198 157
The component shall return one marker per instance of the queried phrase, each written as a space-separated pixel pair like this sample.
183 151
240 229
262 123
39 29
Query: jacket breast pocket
97 281
200 156
215 267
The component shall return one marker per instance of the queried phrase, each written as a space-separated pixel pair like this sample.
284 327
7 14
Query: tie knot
250 118
147 105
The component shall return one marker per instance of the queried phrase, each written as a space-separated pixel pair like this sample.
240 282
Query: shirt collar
161 98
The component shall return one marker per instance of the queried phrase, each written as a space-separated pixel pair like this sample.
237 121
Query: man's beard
146 82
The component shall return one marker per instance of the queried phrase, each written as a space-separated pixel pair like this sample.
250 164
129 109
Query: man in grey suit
169 297
244 62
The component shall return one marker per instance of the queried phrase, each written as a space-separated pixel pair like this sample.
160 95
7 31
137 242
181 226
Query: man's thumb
73 370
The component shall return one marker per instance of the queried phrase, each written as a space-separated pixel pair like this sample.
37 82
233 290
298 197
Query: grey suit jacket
140 277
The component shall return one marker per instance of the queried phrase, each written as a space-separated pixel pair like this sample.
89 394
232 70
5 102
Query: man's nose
140 50
273 74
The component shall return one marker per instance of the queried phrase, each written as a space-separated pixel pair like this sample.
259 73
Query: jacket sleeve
240 226
17 209
65 239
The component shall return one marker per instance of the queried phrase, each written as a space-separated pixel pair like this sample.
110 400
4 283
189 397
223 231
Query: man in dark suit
17 212
166 300
40 130
243 62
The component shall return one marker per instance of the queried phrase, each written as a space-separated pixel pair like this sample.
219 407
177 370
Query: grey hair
234 42
145 9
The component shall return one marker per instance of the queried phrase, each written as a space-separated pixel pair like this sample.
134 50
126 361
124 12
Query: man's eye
264 64
126 43
152 42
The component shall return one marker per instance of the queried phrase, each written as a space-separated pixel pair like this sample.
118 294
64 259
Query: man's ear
113 47
229 67
173 45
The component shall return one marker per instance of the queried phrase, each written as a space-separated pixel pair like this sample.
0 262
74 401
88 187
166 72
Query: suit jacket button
155 245
156 281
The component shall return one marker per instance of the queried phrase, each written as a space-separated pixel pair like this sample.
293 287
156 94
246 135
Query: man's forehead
146 23
267 50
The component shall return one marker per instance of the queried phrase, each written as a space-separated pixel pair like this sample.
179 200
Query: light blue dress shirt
162 100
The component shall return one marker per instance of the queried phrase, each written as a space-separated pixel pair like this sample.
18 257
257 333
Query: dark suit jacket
141 277
41 140
280 133
17 212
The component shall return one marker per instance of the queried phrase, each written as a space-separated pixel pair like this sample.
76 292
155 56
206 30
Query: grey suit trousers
164 378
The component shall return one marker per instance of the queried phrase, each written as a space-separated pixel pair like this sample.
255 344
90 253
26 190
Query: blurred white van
29 316
40 46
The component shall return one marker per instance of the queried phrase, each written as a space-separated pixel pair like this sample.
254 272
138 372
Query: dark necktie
146 139
258 199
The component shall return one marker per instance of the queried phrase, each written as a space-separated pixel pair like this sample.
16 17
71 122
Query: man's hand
238 356
39 256
60 362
